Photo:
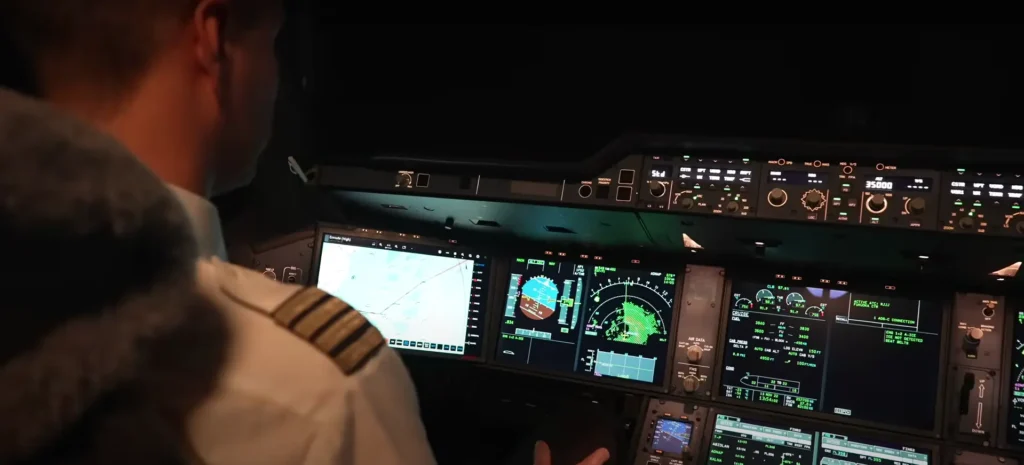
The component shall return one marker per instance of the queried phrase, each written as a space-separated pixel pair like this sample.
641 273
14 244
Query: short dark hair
106 43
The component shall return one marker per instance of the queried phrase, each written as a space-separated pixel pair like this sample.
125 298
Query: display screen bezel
403 238
860 285
693 432
636 386
1006 394
815 427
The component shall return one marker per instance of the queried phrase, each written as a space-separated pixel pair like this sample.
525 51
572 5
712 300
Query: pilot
188 87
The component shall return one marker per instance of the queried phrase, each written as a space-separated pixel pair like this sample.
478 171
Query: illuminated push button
403 180
967 222
916 206
690 384
777 197
694 354
732 206
877 203
585 190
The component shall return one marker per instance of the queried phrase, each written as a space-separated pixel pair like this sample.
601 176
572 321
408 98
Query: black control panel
671 433
710 185
982 203
976 349
796 190
882 195
697 339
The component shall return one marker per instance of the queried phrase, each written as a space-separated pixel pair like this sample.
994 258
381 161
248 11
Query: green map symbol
633 325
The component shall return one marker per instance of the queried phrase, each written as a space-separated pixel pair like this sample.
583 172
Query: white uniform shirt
280 400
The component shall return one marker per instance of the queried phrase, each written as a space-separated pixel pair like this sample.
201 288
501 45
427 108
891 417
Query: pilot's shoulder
324 322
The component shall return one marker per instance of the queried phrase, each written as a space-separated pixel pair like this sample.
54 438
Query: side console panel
975 357
672 433
697 334
287 259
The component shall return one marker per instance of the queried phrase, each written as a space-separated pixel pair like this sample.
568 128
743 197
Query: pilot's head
188 85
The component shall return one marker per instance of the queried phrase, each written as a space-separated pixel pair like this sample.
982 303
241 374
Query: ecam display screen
898 183
421 298
834 351
1015 418
587 319
671 436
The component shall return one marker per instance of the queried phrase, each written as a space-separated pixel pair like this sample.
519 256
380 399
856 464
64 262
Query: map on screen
409 297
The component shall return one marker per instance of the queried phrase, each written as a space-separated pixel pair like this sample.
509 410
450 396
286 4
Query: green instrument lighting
960 170
1016 207
958 203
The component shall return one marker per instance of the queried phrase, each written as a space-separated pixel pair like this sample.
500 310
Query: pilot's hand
542 455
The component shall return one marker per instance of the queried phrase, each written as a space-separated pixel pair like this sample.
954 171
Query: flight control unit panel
737 365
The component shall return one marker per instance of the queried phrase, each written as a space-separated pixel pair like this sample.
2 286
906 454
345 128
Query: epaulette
332 326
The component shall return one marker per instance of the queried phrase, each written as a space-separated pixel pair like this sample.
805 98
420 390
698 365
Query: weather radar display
588 319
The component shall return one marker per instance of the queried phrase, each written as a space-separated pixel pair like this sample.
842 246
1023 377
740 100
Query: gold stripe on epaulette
297 305
339 330
355 355
315 321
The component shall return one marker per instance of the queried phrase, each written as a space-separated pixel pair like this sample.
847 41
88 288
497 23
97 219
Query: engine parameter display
834 351
1015 416
736 440
421 298
588 319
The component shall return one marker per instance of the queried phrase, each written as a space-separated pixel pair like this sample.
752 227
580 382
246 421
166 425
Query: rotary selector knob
403 180
686 202
690 384
967 222
657 188
989 310
732 207
916 206
1019 228
877 203
777 197
270 273
694 354
813 200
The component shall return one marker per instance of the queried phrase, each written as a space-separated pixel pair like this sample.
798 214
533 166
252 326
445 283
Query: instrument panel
724 354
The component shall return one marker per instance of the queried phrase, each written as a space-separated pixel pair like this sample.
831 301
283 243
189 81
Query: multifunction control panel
712 185
796 190
671 433
975 356
882 195
982 203
697 339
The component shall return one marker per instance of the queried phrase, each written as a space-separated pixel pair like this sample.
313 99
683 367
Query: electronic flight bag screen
420 297
834 351
587 319
753 442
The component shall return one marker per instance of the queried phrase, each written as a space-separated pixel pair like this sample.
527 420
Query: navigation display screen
834 351
672 436
838 449
736 440
588 319
1015 419
420 297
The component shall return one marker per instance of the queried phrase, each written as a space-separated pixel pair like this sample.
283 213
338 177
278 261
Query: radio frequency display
589 319
834 351
738 441
1015 417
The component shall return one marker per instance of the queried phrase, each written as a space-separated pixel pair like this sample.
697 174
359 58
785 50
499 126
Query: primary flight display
420 297
834 351
587 319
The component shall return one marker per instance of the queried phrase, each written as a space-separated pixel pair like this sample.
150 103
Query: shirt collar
205 221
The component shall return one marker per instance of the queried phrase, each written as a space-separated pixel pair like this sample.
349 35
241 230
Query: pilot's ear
210 22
